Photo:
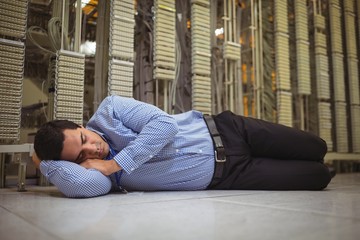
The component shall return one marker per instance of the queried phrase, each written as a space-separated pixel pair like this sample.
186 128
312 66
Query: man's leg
269 140
264 155
272 174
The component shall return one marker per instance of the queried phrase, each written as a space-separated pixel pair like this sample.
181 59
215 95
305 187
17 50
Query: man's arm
72 179
139 130
106 167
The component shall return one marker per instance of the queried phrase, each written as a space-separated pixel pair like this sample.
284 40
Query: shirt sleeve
152 128
74 180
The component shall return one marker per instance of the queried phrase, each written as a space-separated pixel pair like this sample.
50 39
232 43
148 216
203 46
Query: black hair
49 139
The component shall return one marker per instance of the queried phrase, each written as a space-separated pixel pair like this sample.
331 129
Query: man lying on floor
133 145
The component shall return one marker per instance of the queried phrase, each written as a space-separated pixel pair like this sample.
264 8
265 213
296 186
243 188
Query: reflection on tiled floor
43 213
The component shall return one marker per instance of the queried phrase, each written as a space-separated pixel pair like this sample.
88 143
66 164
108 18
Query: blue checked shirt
157 151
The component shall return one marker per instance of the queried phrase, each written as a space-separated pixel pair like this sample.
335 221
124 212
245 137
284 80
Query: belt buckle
219 160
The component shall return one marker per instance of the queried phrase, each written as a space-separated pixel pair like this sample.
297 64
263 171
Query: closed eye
79 157
83 138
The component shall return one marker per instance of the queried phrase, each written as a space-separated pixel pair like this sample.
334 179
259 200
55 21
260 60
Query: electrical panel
353 71
232 51
201 56
69 86
13 17
355 116
353 81
121 80
325 121
342 143
322 76
121 48
284 103
164 40
338 77
12 54
302 48
322 80
13 23
350 35
335 29
282 63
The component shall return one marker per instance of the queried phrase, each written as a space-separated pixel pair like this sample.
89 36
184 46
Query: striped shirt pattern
157 151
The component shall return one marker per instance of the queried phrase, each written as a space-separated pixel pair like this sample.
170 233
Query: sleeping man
132 145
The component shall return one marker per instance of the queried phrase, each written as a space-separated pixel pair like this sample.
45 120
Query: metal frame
20 148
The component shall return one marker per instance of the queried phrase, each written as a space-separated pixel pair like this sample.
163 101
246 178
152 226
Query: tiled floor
43 213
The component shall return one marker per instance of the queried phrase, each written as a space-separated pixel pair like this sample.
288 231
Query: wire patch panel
69 86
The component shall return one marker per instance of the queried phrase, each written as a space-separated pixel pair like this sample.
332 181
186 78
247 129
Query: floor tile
44 213
13 227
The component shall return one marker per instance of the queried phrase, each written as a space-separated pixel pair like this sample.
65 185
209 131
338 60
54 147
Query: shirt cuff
126 162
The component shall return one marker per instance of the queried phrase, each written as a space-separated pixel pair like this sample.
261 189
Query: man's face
81 144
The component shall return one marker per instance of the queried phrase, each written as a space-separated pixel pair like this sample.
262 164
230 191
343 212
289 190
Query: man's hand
36 160
106 167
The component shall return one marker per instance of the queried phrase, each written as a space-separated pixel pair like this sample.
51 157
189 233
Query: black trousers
266 156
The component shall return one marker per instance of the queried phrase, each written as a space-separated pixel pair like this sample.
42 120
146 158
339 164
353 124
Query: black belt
220 157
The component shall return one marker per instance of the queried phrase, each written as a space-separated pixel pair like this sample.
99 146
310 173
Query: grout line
31 224
284 208
187 199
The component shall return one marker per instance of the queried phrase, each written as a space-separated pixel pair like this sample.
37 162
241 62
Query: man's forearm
113 166
106 167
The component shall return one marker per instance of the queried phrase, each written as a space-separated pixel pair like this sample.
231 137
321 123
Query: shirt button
177 150
151 156
132 169
200 150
